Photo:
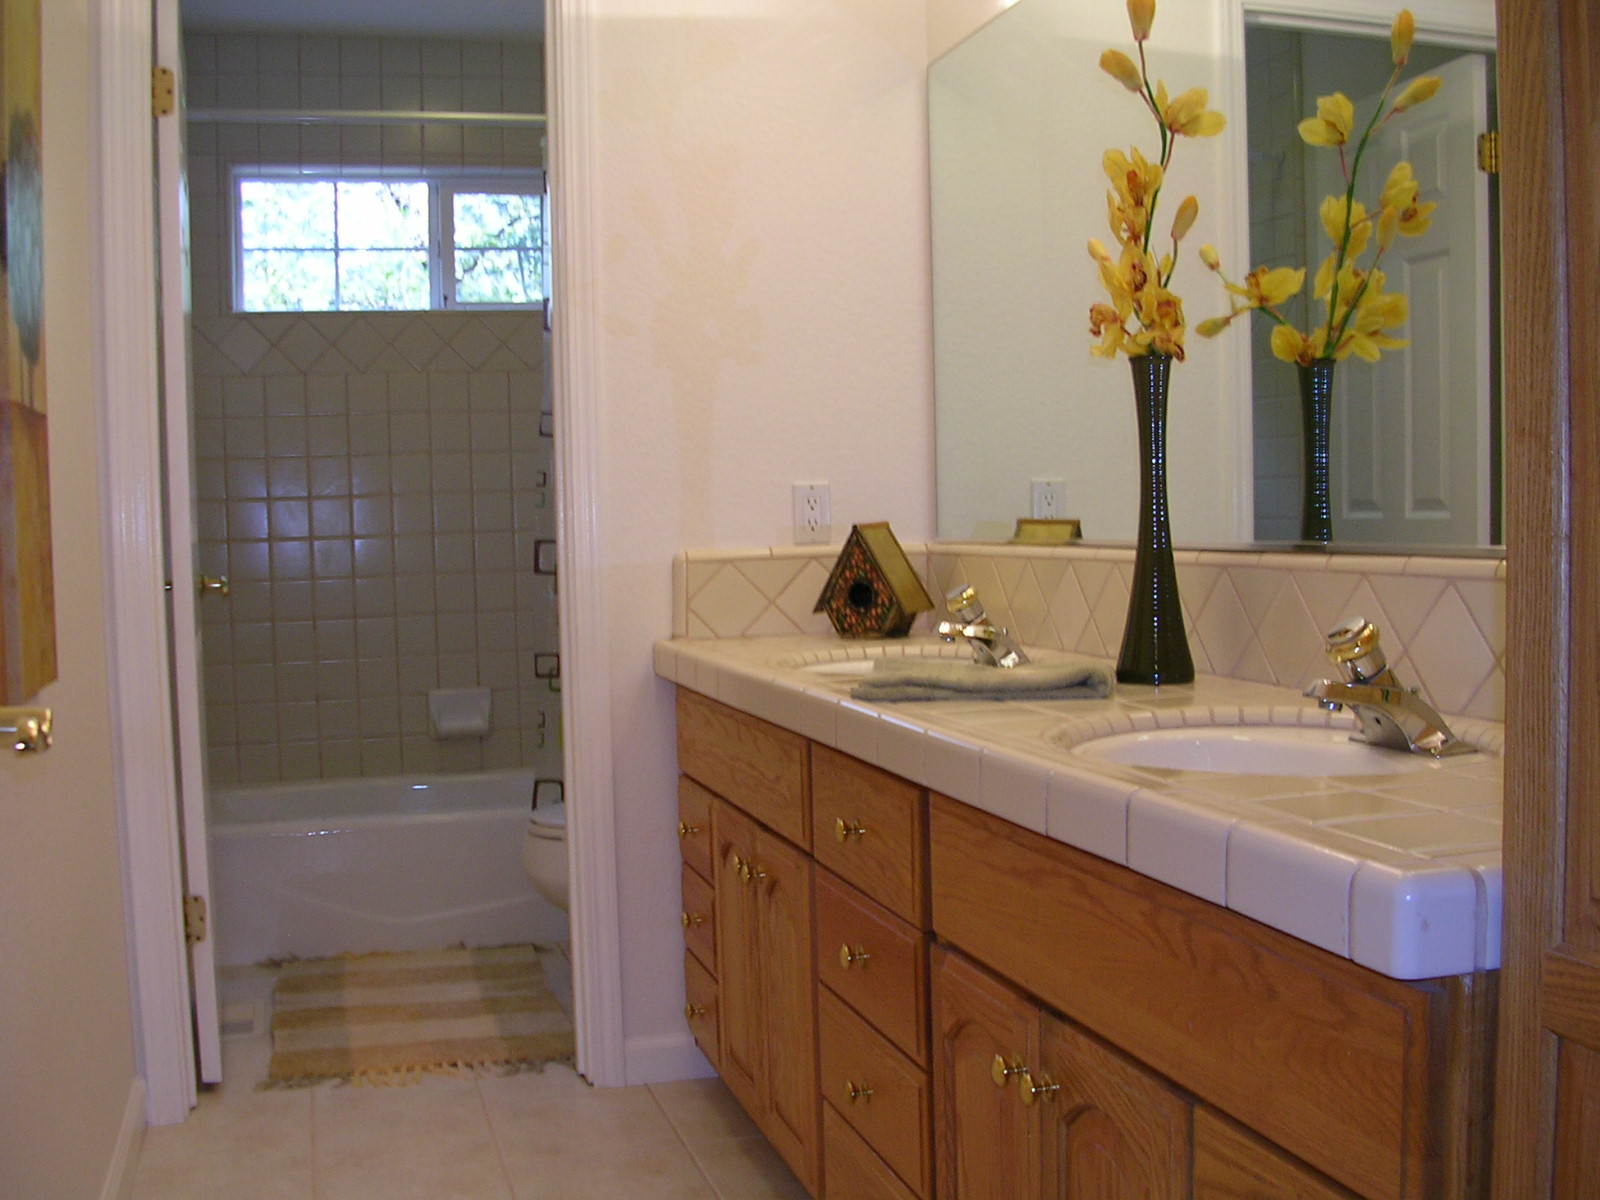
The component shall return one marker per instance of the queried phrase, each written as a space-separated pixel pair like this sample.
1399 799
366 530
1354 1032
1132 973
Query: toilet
544 852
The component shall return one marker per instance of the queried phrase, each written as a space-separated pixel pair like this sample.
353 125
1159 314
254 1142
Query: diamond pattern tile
771 575
1451 657
729 603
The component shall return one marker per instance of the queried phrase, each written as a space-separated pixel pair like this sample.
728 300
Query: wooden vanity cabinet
1031 1107
744 825
895 976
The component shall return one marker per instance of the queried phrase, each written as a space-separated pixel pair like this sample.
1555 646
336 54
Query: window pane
289 216
391 279
496 220
498 277
288 280
383 216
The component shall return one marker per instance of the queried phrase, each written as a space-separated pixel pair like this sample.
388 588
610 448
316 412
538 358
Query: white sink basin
845 666
1252 750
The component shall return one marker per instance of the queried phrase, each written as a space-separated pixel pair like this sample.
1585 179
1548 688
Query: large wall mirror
1020 115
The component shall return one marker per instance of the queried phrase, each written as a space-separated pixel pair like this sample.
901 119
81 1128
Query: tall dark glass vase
1316 411
1154 646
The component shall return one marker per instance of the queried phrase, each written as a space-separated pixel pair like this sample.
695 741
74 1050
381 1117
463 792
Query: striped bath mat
388 1018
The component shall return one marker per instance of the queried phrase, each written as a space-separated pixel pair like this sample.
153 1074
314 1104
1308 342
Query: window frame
443 185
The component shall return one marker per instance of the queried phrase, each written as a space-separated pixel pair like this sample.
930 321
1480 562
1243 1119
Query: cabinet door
741 1012
1112 1130
986 1141
1231 1163
782 884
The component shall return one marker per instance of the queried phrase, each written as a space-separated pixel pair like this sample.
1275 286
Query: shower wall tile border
1255 615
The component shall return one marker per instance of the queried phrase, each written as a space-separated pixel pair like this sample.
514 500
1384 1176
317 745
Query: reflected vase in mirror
1155 649
1316 411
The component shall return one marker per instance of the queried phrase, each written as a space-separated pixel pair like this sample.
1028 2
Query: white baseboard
130 1141
664 1059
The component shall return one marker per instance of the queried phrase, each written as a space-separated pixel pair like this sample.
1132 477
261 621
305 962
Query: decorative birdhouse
873 590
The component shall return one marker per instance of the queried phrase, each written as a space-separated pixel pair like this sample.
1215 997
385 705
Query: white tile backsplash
1251 615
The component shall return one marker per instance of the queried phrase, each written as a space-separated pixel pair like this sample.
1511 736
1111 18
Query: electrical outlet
813 517
1049 499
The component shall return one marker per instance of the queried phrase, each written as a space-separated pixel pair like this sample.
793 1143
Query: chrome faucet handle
962 603
1388 713
991 644
1353 647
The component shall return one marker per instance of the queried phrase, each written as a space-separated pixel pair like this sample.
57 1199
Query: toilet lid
551 816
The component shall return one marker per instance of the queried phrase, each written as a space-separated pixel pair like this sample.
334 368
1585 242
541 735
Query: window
310 244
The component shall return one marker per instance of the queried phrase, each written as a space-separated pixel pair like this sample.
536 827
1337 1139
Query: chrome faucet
991 645
1389 715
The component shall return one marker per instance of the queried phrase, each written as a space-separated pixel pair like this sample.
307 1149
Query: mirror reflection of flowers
1359 312
1145 316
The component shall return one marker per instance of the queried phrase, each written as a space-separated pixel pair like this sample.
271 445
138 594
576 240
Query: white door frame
128 401
585 649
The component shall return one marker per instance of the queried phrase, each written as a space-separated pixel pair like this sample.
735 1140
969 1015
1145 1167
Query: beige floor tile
249 1146
421 1142
748 1169
561 1139
703 1110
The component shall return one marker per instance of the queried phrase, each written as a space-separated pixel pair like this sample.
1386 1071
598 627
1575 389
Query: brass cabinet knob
216 584
691 919
694 1011
852 1092
849 958
1032 1089
1001 1071
741 868
845 830
687 830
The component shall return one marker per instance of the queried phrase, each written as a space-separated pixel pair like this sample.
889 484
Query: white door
185 593
1411 439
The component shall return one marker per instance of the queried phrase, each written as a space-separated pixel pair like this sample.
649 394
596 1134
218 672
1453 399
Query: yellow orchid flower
1420 89
1335 118
1184 221
1209 256
1401 188
1338 216
1264 288
1123 69
1211 326
1400 36
1141 16
1188 116
1289 344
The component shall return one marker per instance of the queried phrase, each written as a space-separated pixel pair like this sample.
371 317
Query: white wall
66 1048
760 210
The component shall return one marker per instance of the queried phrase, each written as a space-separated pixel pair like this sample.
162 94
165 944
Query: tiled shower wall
375 486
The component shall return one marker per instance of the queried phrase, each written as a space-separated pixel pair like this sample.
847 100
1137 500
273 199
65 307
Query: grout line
494 1137
688 1149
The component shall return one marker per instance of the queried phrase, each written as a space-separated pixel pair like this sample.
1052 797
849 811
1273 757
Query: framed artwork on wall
27 587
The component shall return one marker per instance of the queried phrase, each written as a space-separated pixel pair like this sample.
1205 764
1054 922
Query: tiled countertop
1400 873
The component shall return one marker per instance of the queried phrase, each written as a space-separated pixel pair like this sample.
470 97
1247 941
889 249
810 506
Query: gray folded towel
946 679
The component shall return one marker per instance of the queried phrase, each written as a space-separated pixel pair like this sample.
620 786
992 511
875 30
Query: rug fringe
412 1076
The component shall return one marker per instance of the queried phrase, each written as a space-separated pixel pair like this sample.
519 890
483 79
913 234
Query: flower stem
1331 336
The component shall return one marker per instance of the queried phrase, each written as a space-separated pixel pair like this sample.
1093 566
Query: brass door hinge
1489 152
194 919
163 92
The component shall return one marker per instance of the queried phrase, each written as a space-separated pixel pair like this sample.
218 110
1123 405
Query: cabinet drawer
851 1169
757 766
699 918
882 1094
1327 1059
868 828
1231 1163
875 962
694 825
700 1006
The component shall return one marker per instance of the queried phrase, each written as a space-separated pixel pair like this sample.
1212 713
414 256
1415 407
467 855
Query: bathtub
349 866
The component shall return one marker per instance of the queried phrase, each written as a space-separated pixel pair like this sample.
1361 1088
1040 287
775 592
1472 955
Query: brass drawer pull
849 958
852 1093
27 730
1031 1091
845 830
687 830
1001 1071
691 919
694 1011
741 868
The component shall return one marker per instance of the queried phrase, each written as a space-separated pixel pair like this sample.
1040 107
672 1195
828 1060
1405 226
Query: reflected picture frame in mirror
1019 116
